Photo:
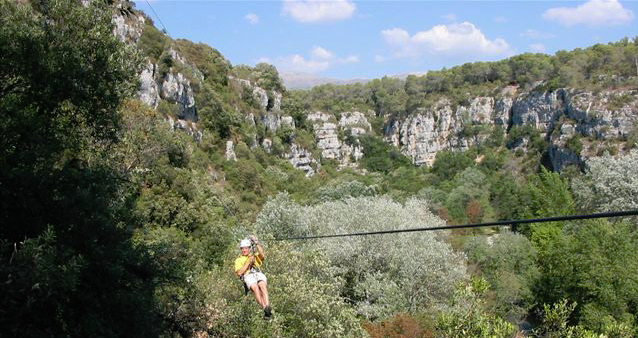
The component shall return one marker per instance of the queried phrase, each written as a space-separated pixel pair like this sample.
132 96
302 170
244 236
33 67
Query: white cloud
500 19
379 58
445 40
591 13
321 53
311 11
299 63
537 48
320 59
252 18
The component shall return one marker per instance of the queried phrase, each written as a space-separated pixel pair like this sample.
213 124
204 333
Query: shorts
252 277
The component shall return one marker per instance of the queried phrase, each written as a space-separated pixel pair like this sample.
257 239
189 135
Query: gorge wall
574 124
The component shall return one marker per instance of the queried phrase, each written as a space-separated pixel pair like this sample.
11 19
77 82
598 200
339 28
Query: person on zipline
247 268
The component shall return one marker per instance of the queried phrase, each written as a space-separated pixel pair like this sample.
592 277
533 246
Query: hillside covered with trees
122 206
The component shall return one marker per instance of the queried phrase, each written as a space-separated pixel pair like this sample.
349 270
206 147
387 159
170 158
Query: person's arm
260 252
260 248
247 265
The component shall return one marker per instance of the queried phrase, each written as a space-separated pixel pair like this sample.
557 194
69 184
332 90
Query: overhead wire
473 225
158 18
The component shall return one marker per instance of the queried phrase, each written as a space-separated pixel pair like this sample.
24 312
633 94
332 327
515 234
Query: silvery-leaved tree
610 184
383 274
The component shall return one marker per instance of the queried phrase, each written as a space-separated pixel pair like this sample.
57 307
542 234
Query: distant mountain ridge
301 80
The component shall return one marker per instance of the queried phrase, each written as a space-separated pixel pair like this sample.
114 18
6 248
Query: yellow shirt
241 260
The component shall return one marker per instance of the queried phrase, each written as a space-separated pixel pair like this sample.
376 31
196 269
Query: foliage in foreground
67 265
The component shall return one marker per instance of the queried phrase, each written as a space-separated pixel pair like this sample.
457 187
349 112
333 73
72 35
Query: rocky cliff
563 118
573 124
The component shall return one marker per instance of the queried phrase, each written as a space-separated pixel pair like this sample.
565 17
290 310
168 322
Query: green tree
547 195
378 272
468 317
449 163
267 77
381 156
508 262
66 259
609 184
470 188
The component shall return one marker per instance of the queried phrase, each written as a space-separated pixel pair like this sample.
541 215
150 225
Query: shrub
381 156
378 271
467 318
304 295
609 183
508 262
449 163
344 190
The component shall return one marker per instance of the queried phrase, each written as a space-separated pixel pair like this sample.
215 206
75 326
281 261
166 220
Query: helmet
244 243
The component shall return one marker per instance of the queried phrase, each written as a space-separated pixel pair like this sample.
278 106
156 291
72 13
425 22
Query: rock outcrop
266 100
187 126
148 91
560 116
127 27
574 124
431 130
177 88
230 151
273 120
302 159
327 132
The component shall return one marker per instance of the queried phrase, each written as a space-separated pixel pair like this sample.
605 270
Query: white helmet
244 243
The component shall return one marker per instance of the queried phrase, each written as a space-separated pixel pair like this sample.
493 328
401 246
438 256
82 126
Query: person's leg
263 287
258 296
251 282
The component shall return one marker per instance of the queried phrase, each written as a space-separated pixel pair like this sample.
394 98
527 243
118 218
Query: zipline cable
158 18
474 225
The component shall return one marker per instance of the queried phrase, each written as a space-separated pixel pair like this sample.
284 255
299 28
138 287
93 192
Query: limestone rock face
539 109
176 88
148 91
267 101
595 117
559 116
250 119
186 126
302 159
288 121
276 102
479 111
176 56
261 96
271 121
230 151
327 130
274 120
355 122
422 135
128 28
267 144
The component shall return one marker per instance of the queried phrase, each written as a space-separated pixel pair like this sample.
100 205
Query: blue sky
347 39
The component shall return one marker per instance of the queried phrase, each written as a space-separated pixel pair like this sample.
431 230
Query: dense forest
114 224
